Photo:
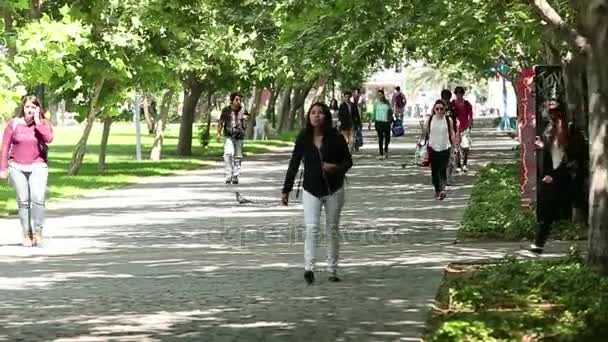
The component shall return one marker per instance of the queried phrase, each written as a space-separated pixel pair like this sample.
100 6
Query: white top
439 137
557 154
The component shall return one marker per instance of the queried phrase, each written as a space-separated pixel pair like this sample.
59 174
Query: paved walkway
178 259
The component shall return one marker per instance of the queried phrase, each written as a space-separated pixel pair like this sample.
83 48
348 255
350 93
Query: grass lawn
513 300
121 166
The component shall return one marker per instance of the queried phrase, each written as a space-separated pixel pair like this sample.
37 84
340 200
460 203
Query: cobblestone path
178 259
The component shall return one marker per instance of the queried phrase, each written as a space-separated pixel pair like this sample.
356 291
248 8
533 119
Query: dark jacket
241 124
576 155
349 118
333 150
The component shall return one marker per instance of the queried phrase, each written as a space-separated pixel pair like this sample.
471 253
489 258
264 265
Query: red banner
527 135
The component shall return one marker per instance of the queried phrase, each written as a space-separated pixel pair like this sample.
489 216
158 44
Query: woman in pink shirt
23 160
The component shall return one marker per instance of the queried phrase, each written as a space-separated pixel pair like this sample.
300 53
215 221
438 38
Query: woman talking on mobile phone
23 159
327 159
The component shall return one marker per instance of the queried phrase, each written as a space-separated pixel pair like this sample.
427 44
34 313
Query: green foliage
204 135
494 210
556 300
10 89
48 50
463 331
476 33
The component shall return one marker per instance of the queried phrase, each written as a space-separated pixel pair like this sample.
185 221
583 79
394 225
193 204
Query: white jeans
233 155
312 217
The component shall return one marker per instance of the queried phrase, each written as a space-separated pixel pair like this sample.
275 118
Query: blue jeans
29 182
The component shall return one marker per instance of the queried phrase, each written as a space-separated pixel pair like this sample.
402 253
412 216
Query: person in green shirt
382 115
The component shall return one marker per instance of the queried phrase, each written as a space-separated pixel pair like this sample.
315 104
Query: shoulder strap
451 128
428 129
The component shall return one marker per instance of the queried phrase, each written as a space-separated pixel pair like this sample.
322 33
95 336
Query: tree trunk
272 103
36 9
161 124
80 148
107 123
320 92
284 110
208 125
9 31
255 109
192 93
576 90
597 22
302 116
147 115
298 102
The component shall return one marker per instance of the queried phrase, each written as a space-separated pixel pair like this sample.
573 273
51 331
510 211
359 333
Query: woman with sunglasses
441 140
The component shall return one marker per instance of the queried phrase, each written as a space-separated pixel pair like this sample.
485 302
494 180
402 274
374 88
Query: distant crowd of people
325 146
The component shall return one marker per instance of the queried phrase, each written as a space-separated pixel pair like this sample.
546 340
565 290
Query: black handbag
237 133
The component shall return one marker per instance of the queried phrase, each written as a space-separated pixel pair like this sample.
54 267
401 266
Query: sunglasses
439 108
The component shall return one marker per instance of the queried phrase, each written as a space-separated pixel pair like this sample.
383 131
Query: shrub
553 299
494 210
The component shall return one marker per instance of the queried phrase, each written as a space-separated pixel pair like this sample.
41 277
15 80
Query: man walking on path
398 103
463 111
349 117
232 126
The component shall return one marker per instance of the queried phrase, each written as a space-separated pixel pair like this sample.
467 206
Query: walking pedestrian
333 107
347 114
24 160
463 111
560 169
441 139
398 102
357 121
232 126
327 159
383 117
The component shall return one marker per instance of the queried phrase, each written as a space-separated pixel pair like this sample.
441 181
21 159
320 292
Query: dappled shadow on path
178 258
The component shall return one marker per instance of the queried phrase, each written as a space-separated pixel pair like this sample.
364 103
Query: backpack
400 100
398 129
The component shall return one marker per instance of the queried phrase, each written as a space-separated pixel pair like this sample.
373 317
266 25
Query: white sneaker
459 170
464 169
535 249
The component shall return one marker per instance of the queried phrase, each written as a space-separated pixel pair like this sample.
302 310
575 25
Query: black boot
334 278
309 276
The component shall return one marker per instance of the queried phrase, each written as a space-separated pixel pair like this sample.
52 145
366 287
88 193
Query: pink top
21 142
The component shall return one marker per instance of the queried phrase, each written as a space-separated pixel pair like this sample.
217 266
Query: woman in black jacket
562 166
326 159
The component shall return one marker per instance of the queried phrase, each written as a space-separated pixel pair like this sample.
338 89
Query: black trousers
462 156
555 203
439 169
384 136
